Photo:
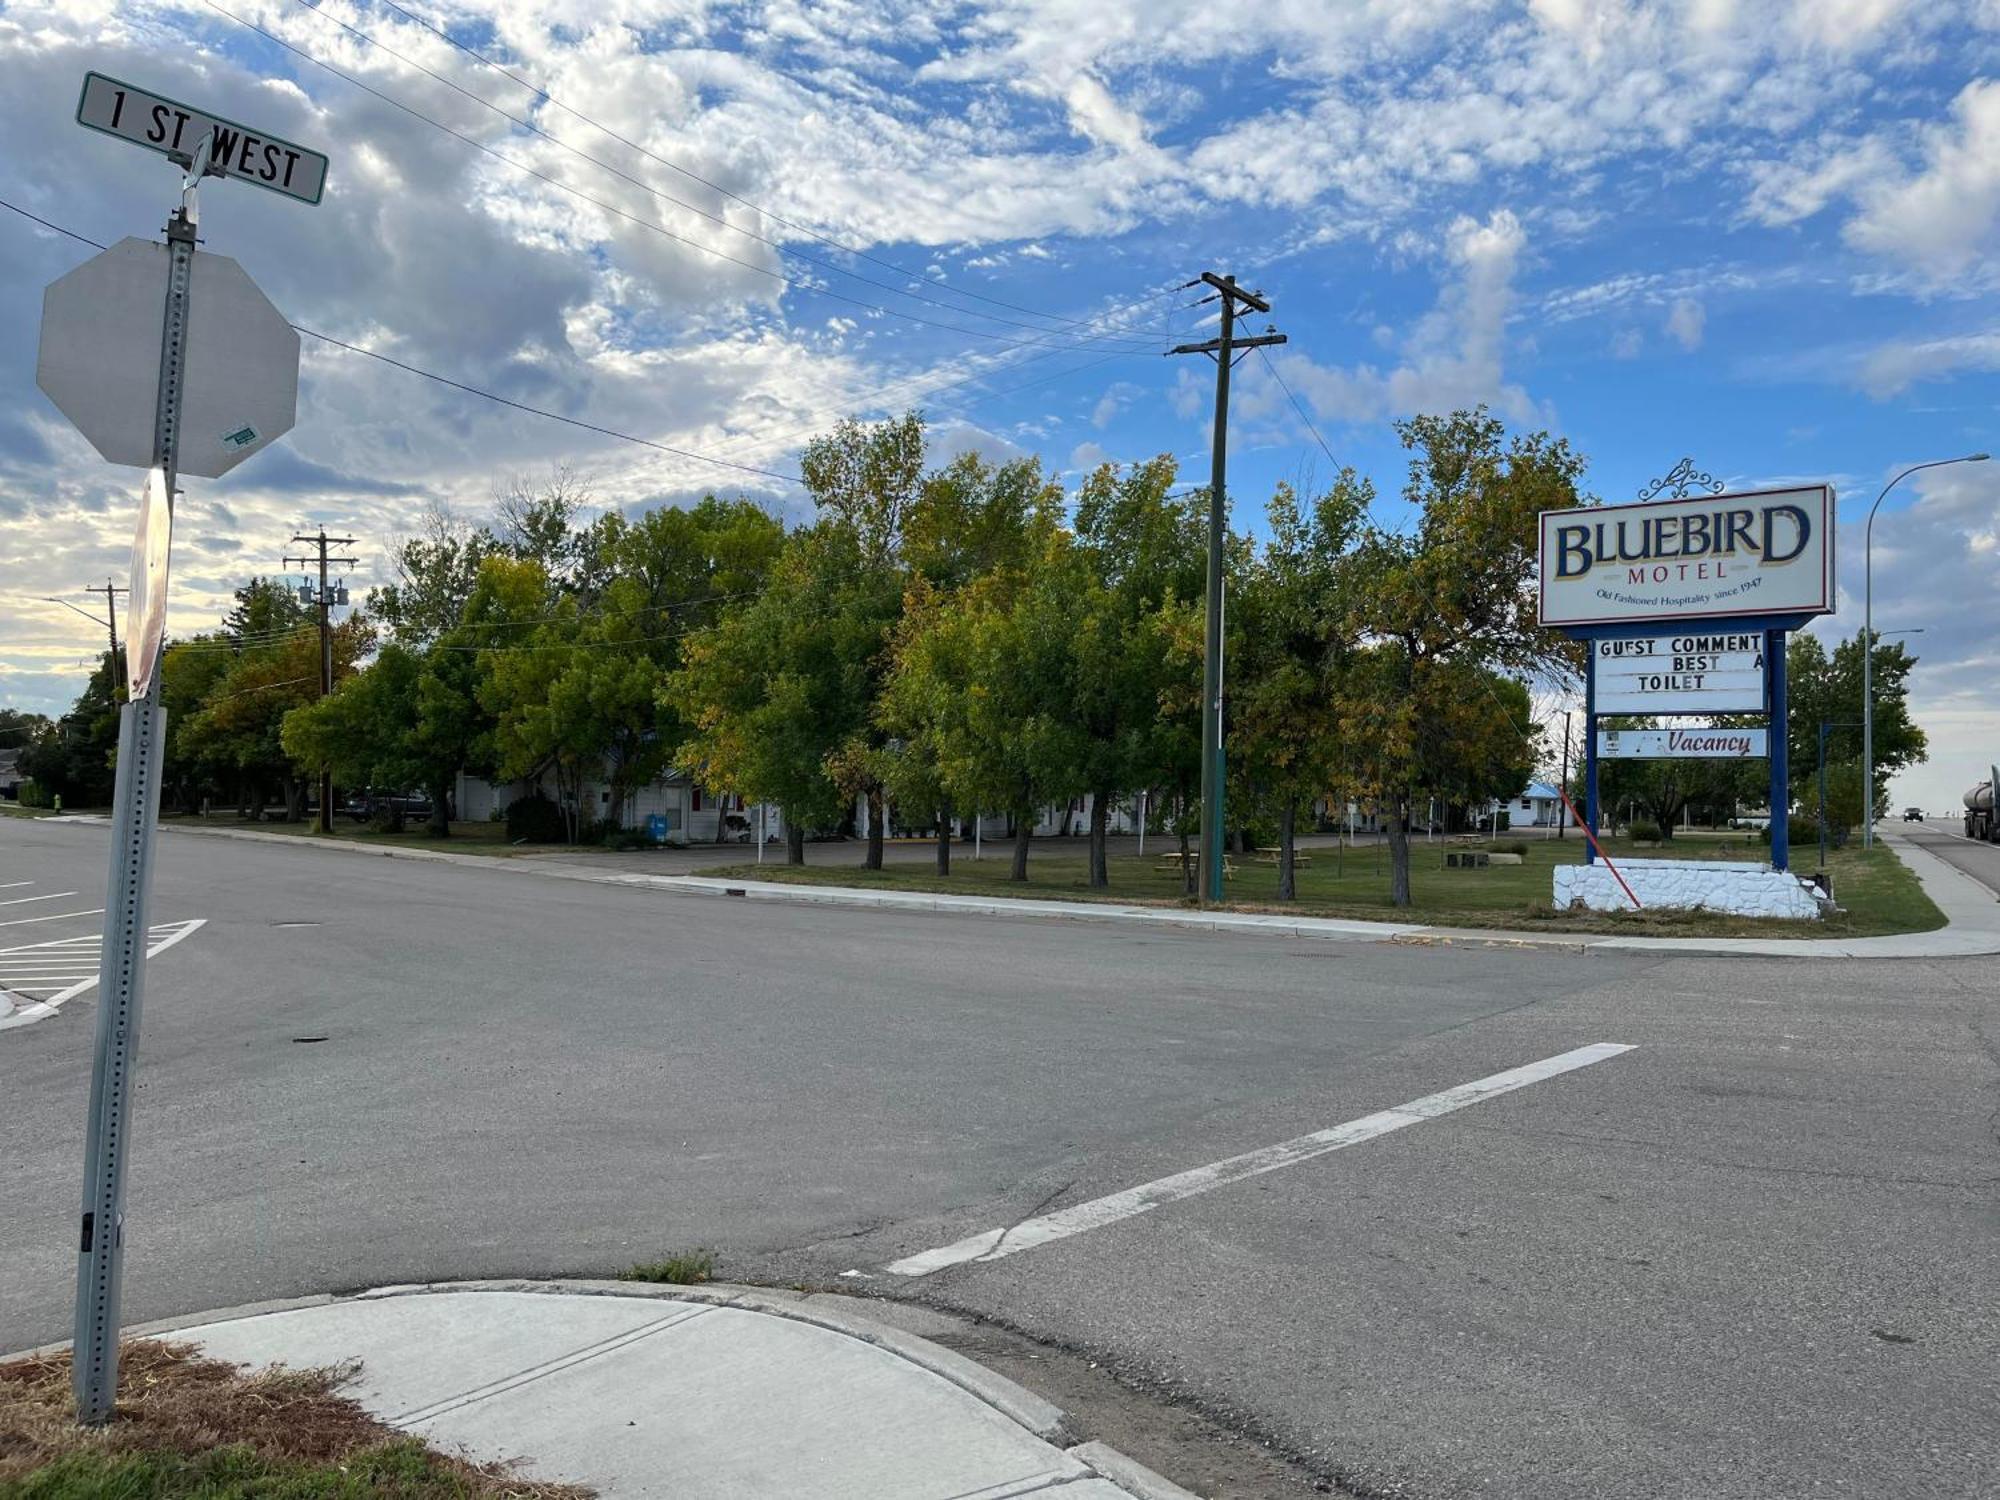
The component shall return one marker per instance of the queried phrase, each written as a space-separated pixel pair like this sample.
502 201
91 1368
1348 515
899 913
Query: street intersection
1745 1249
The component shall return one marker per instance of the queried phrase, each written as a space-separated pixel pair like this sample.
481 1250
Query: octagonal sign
100 358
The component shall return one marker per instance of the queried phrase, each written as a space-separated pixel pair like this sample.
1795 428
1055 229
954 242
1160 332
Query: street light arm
1868 637
100 624
1935 463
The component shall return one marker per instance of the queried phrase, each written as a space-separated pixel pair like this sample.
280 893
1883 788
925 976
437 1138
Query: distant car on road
1913 815
365 805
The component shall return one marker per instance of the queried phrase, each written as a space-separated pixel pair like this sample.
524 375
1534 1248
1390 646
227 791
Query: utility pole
1224 351
325 598
110 591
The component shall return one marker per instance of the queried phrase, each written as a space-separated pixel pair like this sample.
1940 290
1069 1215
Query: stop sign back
100 358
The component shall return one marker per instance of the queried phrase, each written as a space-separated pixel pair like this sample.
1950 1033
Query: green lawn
1881 894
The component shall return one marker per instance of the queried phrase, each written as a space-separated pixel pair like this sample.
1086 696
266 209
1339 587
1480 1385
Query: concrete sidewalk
684 1393
1972 914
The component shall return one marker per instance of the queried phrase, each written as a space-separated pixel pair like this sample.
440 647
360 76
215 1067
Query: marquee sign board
1756 553
173 129
1683 744
1691 673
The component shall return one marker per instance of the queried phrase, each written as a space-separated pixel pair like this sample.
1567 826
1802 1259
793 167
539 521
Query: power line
262 687
1269 365
457 385
610 208
919 379
602 431
716 187
648 188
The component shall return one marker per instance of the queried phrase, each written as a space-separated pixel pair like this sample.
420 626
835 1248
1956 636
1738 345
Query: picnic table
1272 856
1171 862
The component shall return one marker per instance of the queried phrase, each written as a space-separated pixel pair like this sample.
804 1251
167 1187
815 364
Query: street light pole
1868 642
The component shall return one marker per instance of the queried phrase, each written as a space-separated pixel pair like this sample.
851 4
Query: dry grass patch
190 1426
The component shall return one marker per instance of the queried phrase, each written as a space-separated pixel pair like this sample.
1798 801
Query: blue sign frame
1775 630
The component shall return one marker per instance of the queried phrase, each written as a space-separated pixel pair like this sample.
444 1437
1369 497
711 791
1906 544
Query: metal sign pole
1590 755
122 967
1781 782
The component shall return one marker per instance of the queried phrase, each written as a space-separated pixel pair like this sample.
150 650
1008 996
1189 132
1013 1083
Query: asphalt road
1754 1256
1945 838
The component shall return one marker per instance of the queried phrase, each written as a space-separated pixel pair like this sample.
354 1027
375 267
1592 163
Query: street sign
173 361
1691 673
1756 554
146 624
173 129
1683 744
100 358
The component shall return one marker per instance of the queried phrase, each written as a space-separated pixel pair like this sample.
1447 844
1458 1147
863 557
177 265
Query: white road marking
59 965
993 1244
24 900
15 884
95 911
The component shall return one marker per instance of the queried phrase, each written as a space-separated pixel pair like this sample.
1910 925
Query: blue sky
1757 232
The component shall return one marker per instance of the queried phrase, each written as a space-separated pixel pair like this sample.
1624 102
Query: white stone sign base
1739 888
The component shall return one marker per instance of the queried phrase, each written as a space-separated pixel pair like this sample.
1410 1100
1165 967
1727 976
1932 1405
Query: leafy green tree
782 693
360 731
237 721
1288 655
1448 599
672 572
518 605
868 478
73 758
436 572
543 522
969 539
1826 687
1146 550
778 694
971 518
982 688
192 670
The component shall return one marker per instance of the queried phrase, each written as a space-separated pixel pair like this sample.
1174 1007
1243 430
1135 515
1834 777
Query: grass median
1878 893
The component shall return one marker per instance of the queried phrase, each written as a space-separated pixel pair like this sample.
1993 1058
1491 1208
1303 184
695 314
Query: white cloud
1627 343
1454 356
1085 457
1942 220
1844 25
1115 398
1894 367
1685 322
1796 188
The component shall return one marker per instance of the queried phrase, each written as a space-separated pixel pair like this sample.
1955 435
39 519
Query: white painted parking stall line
40 977
14 885
54 916
24 900
993 1244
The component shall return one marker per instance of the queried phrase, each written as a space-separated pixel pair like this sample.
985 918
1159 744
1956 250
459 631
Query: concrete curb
1951 888
828 1310
1129 1474
1944 942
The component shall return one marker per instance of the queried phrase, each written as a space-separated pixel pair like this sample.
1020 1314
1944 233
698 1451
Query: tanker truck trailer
1979 821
